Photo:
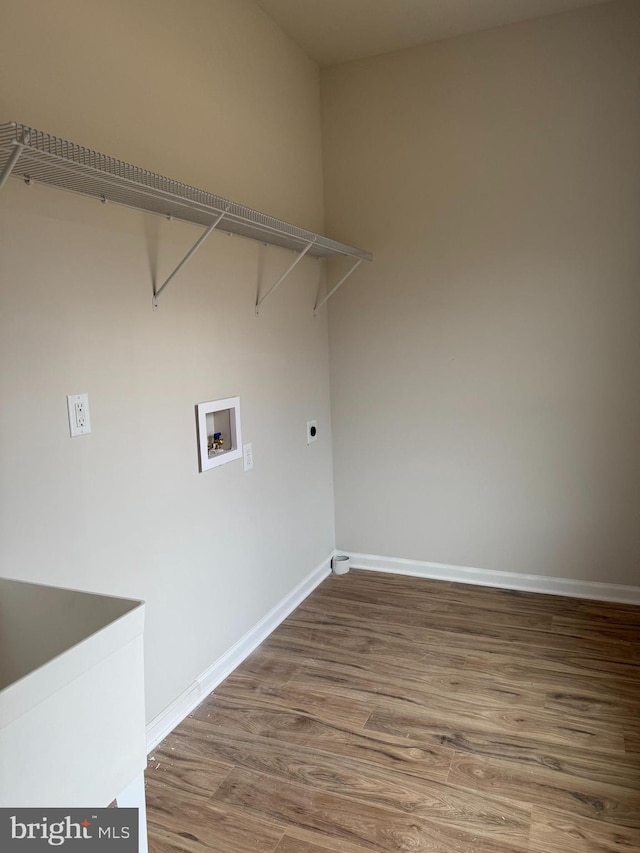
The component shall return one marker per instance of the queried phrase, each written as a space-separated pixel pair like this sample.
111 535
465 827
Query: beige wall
210 92
496 177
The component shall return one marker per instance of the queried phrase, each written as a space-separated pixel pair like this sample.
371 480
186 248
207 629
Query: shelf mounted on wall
32 155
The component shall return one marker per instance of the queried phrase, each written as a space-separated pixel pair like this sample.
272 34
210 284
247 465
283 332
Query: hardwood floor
400 714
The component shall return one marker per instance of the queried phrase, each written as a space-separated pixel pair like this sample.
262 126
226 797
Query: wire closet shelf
33 155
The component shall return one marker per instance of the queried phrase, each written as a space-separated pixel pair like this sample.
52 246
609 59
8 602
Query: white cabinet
72 725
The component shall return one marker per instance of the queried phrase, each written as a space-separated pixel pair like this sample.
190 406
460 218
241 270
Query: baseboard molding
504 580
208 680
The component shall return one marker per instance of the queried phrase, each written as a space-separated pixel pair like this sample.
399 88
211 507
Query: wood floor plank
557 832
548 788
593 702
289 844
612 612
186 773
192 825
260 717
516 600
266 668
302 639
370 827
444 717
413 758
554 671
632 741
426 688
352 710
580 627
384 583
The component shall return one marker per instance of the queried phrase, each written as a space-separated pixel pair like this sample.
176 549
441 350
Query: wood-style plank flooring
399 714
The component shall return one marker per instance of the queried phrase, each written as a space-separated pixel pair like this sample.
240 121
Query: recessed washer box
219 432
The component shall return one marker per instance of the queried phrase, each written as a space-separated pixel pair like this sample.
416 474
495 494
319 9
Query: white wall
496 178
212 93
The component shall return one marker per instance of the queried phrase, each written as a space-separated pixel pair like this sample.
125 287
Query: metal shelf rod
189 254
319 305
11 162
284 275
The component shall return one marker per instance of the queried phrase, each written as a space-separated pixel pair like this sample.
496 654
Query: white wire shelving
33 155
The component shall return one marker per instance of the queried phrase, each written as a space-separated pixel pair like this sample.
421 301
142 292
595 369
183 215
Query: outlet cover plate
247 455
79 417
312 431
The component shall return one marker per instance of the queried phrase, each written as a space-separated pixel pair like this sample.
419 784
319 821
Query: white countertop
38 623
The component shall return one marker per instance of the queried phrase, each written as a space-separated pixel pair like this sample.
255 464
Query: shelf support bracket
319 305
11 162
297 260
190 254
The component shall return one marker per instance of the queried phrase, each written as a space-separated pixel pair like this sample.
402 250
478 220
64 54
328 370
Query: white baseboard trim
208 680
503 580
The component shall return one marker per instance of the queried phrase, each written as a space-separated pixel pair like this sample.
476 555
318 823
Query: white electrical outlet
79 417
247 455
312 431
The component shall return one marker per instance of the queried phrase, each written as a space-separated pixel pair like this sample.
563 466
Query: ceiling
332 31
